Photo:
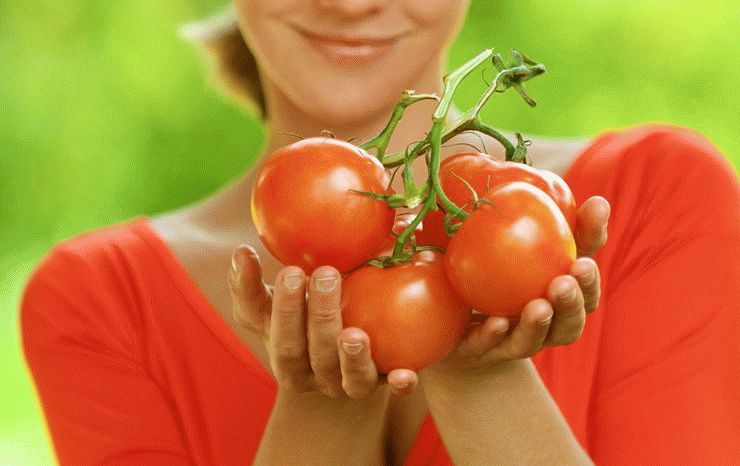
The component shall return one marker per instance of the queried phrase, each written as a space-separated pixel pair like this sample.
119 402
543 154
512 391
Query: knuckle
568 333
241 319
293 384
333 391
592 303
356 390
326 368
521 352
572 323
355 376
287 308
289 355
570 337
324 315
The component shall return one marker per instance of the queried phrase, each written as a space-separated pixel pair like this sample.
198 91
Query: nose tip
353 8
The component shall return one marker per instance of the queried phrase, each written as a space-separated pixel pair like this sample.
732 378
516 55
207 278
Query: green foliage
106 115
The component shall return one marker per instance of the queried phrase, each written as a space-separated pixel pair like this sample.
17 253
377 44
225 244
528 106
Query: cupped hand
557 320
300 321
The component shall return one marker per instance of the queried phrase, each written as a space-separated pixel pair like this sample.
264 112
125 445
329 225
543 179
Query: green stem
452 81
434 163
409 230
478 125
432 191
381 141
509 77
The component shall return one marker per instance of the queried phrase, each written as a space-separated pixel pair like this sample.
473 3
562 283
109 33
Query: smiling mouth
347 51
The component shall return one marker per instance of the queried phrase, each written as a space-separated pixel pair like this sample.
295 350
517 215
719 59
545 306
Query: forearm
312 429
504 418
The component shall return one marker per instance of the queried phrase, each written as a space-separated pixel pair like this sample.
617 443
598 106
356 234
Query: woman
143 353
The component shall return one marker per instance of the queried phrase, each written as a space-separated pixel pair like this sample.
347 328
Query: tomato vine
519 70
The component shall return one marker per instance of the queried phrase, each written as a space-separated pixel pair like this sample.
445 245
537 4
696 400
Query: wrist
466 379
316 403
506 374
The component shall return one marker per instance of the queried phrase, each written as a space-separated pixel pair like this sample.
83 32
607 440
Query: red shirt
133 365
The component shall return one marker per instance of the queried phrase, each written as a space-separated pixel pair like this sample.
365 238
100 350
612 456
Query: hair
233 68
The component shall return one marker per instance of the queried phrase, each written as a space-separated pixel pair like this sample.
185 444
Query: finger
402 381
569 315
251 300
359 375
529 334
288 346
482 337
587 273
324 325
591 225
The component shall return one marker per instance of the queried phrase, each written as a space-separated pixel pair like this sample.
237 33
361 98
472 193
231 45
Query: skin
328 384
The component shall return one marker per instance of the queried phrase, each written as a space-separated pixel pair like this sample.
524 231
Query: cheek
438 22
442 15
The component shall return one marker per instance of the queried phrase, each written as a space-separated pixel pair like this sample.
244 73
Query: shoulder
650 162
653 147
98 249
87 270
82 291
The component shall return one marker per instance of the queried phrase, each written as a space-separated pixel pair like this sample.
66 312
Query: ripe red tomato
409 311
484 172
507 253
304 212
432 231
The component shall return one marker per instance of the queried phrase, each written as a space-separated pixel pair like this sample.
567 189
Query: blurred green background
105 115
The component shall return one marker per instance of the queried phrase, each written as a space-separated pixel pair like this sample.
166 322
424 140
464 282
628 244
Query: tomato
484 172
506 254
409 311
304 212
433 230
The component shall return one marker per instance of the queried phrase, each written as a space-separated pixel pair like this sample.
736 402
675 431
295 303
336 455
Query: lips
350 51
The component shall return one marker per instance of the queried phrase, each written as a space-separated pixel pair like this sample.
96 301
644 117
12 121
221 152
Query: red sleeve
100 405
668 386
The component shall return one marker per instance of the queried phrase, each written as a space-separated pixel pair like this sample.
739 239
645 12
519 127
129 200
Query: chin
344 109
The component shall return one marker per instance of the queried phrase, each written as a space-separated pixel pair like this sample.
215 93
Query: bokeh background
105 114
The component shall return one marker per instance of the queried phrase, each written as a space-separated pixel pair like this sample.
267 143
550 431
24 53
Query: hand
557 320
302 330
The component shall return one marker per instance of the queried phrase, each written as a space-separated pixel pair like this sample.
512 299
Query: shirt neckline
197 300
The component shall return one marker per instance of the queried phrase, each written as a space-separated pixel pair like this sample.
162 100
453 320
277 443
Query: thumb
251 301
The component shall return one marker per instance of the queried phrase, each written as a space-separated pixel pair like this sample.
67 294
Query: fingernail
546 320
588 278
500 325
402 384
325 284
352 348
570 296
293 281
236 261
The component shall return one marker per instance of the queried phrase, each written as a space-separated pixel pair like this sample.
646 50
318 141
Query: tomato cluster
311 207
490 235
517 238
